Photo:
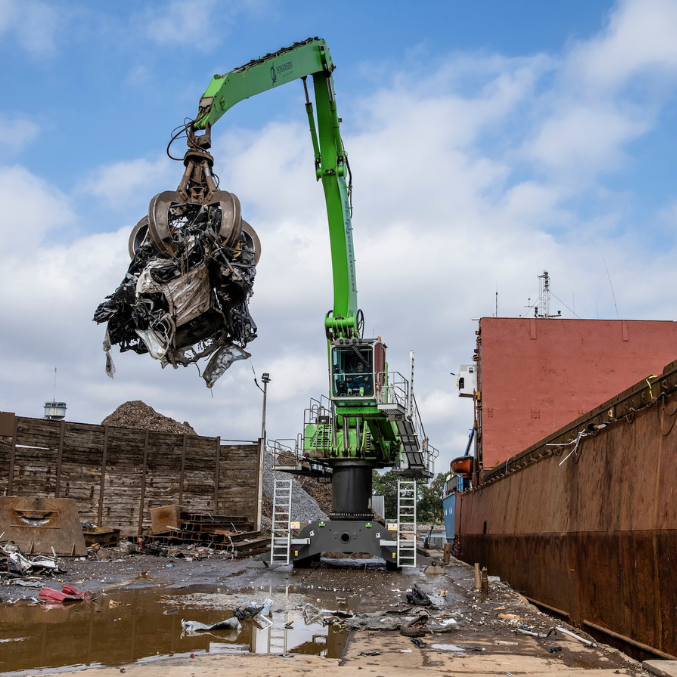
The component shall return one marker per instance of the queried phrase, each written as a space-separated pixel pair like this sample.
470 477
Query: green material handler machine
370 419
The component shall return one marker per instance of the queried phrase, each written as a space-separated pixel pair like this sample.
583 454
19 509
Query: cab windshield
352 371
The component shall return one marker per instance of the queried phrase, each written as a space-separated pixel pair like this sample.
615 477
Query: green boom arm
302 59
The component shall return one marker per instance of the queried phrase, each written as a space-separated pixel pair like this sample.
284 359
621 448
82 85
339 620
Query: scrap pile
16 565
137 414
252 612
186 292
419 617
233 535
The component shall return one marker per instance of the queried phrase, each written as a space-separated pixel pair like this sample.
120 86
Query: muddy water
132 625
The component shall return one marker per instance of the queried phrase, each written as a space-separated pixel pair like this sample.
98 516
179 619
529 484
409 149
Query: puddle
459 648
142 625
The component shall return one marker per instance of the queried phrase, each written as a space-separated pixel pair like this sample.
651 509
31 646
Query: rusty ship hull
584 522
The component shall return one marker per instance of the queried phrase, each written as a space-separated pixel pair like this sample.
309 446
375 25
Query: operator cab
357 369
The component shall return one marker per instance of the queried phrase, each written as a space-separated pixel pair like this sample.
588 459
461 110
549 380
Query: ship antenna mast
542 308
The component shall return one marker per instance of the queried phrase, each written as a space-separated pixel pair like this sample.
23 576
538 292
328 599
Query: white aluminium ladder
281 524
277 637
406 523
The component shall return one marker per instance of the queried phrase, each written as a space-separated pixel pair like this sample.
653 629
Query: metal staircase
406 523
281 524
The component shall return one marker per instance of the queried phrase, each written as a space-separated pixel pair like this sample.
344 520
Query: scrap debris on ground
365 615
191 627
67 594
186 298
16 565
234 535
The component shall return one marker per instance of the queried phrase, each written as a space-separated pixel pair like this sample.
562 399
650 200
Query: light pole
265 378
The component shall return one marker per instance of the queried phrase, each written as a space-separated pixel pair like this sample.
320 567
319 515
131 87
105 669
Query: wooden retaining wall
117 475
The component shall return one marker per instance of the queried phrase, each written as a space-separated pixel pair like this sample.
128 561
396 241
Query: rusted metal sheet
59 462
164 519
217 472
586 520
38 525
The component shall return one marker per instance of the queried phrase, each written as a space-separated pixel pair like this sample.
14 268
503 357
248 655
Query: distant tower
55 411
542 308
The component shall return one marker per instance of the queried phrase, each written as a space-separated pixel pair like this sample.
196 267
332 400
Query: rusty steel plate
37 525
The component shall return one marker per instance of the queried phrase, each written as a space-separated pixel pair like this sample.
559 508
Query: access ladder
406 523
277 639
281 523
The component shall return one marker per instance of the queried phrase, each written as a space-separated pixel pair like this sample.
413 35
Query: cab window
352 371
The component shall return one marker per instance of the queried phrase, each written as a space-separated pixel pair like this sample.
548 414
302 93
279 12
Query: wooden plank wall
117 475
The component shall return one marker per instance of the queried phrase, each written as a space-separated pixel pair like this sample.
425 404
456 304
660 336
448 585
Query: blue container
449 507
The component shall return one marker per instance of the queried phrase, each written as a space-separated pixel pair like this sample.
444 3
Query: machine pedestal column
351 491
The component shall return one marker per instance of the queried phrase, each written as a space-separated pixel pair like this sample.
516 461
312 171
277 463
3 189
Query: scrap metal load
186 292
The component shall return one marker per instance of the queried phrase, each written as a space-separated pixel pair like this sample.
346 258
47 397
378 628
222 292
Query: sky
488 141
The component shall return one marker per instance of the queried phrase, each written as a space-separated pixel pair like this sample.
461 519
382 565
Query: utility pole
265 378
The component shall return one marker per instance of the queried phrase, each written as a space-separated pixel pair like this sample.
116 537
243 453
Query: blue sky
97 79
489 140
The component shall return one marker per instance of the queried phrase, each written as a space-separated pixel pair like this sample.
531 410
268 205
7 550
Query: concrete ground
486 639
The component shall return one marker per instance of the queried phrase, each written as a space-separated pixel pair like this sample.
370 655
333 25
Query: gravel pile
304 508
320 491
138 414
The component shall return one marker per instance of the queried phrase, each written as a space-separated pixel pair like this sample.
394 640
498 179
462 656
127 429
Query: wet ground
135 620
129 625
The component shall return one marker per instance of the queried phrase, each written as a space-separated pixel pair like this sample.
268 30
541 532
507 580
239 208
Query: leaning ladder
406 523
281 524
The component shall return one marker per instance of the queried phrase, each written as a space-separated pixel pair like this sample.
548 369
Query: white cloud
17 134
32 23
201 26
595 109
180 23
31 208
639 39
458 190
585 139
125 182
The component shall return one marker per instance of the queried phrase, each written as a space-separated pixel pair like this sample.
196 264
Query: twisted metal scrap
191 305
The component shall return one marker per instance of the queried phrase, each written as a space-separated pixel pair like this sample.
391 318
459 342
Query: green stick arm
302 59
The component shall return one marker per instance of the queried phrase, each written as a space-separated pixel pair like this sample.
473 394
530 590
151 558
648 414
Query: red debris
68 594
